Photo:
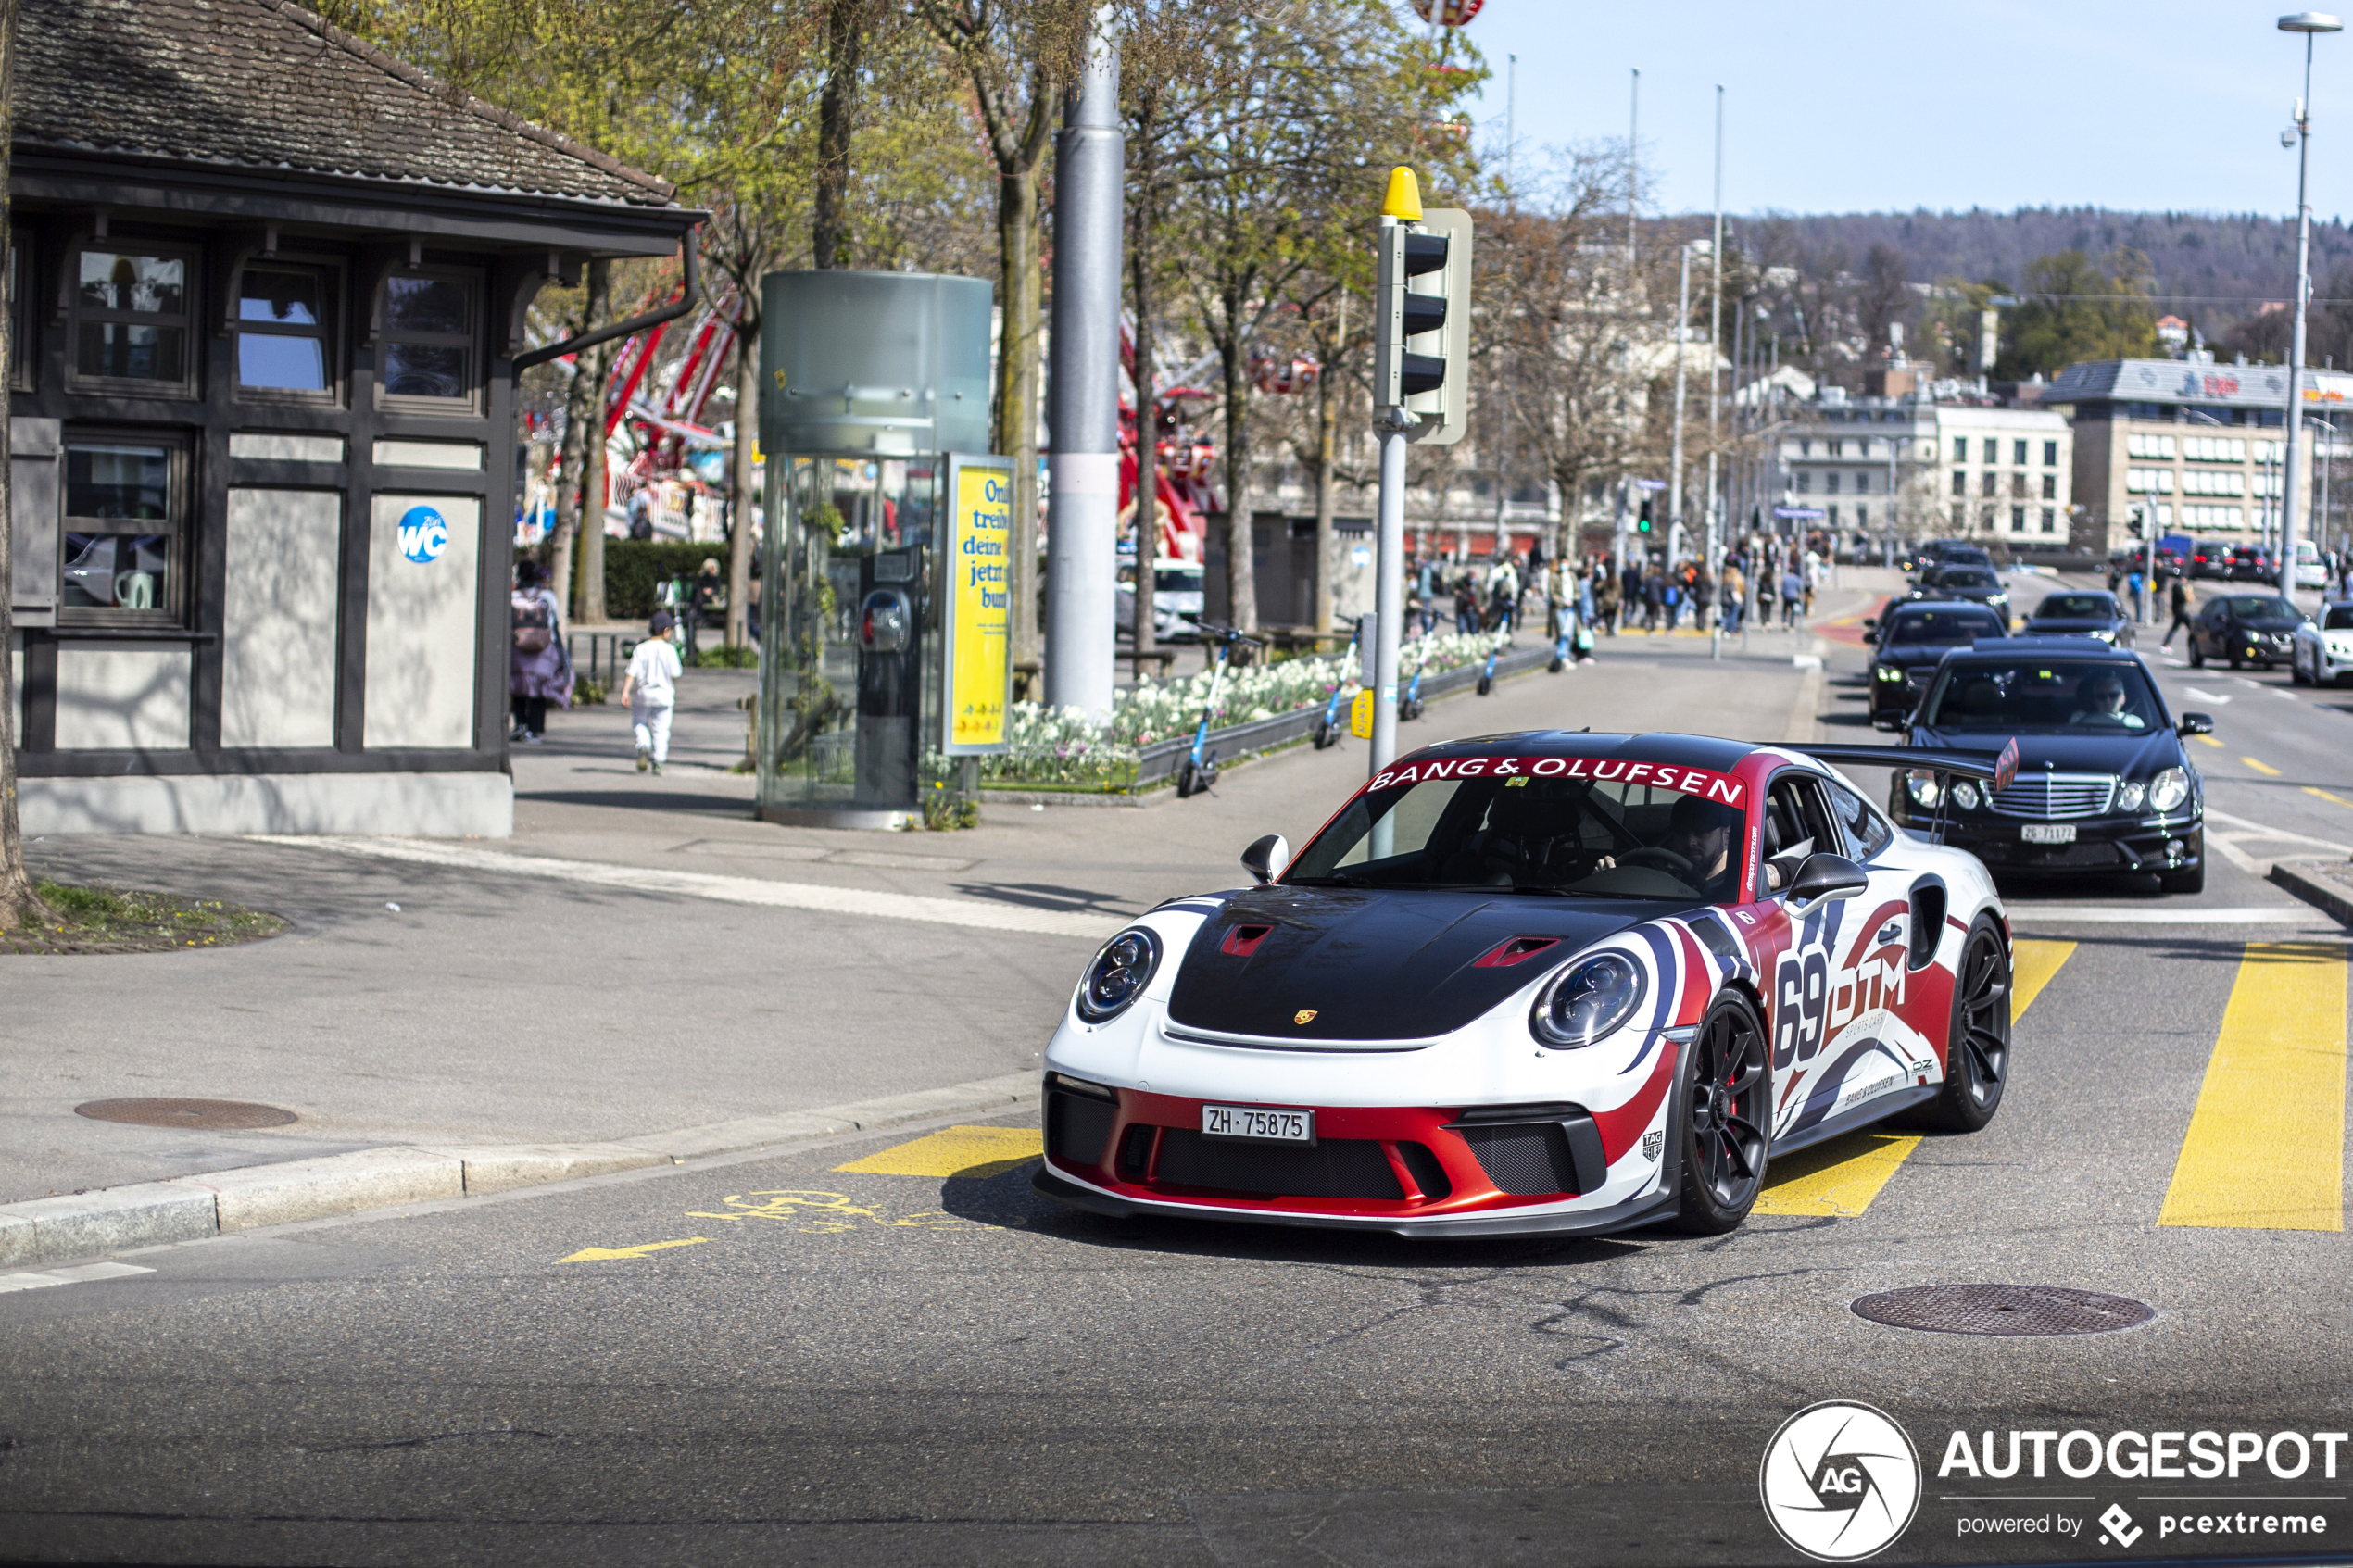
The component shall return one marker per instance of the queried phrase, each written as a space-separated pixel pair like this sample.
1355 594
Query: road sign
1810 512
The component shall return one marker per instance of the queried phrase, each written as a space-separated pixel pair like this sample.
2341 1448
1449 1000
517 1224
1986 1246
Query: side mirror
1871 639
2195 724
1870 622
1827 876
1266 859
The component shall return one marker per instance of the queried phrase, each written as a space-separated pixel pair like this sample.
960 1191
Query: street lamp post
2307 23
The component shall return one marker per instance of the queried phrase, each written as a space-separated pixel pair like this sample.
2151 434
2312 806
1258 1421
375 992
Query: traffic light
1643 518
1421 355
2133 521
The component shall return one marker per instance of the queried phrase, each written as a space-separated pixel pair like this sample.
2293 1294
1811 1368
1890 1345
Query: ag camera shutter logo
423 534
1839 1481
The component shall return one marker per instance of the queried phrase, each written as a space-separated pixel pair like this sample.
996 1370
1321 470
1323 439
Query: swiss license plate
2049 832
1262 1126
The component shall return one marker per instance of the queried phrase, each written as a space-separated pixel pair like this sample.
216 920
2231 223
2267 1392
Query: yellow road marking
828 1212
1839 1177
2263 768
2265 1148
2324 795
2209 740
2033 963
606 1254
956 1151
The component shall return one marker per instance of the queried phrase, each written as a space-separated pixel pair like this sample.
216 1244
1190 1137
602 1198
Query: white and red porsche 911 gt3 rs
1548 982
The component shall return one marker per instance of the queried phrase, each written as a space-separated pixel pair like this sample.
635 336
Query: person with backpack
538 666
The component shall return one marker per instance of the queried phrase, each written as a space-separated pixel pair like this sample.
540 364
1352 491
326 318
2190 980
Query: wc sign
423 534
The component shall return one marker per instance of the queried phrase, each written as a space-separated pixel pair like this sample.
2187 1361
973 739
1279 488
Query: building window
1960 517
281 331
124 559
130 318
2017 484
2050 519
2018 519
1991 481
1993 450
1831 517
1830 482
19 360
1804 447
2050 487
2018 453
1862 517
1804 482
1960 483
1837 448
427 358
1862 484
2050 454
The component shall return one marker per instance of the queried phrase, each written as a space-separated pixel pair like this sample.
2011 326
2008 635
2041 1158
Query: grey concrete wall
282 588
423 805
422 623
126 696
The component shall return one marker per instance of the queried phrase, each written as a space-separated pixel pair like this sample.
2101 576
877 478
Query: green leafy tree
2073 311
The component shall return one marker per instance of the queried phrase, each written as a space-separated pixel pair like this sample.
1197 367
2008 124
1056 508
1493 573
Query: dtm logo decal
1800 994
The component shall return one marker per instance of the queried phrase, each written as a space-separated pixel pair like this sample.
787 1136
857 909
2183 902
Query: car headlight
2168 789
1886 673
2105 636
1118 975
2129 798
1587 1001
1922 785
1965 795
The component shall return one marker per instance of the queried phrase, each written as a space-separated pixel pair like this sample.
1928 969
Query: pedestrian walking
1735 590
1793 595
652 691
701 598
538 666
2180 603
1605 601
1654 600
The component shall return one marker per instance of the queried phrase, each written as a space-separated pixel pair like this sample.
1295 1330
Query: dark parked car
1977 584
2103 781
2082 615
2252 564
2211 558
1945 552
2245 629
1908 641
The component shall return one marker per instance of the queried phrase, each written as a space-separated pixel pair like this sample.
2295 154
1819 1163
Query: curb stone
2321 892
90 1224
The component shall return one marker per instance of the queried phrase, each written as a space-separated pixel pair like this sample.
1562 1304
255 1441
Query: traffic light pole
1388 584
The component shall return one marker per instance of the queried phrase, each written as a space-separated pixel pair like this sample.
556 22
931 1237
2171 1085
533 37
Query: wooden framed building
267 286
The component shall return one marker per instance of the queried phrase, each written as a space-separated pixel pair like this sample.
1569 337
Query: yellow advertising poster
979 619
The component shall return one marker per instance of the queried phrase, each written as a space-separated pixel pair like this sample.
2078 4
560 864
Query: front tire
1722 1106
1977 1043
2197 653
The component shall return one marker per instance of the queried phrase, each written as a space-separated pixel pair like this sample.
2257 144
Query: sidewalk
700 966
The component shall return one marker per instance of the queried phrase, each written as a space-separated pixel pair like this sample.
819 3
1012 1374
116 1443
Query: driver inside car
1703 832
2103 698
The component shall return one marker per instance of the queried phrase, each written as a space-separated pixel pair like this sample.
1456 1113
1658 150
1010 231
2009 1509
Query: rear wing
1905 757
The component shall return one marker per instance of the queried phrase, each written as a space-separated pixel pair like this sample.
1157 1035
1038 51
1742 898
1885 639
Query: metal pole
1633 162
1082 519
1388 586
1674 469
1714 554
2295 351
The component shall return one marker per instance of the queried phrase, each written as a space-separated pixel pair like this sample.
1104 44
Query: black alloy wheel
1977 1049
2197 653
1724 1105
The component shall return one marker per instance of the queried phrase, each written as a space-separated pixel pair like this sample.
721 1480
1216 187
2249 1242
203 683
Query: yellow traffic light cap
1403 201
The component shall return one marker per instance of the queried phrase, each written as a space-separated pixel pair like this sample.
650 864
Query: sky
2158 105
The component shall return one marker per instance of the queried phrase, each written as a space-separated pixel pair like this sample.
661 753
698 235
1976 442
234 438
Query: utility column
1082 516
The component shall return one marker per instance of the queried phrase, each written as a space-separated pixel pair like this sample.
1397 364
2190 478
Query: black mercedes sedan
2245 629
2103 781
1909 640
1977 584
2082 615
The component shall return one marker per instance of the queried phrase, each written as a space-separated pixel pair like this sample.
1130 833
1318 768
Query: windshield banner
1714 786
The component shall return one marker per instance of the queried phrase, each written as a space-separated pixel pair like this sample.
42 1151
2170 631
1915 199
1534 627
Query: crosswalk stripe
956 1151
2033 963
2265 1148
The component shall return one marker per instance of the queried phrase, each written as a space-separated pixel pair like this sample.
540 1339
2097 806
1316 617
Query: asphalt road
771 1359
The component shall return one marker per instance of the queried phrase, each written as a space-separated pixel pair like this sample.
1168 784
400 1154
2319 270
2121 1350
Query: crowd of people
1761 581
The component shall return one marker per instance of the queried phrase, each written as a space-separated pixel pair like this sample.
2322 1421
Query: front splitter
1624 1217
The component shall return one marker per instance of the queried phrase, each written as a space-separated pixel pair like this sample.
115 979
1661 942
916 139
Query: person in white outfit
652 691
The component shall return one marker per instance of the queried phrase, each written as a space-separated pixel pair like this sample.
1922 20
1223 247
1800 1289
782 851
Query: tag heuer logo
1305 1015
1652 1142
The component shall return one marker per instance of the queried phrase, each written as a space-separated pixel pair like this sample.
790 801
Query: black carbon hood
1373 964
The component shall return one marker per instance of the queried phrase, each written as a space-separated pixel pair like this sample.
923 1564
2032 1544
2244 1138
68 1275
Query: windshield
2077 607
1966 577
2261 607
2048 697
1942 628
2337 618
1577 835
1177 580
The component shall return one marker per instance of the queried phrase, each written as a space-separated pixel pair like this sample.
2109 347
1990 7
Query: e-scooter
1199 771
1329 730
1487 676
1410 705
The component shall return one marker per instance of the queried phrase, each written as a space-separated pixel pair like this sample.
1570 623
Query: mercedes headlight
1921 784
1886 673
1965 795
1587 1001
2130 797
2168 789
1118 975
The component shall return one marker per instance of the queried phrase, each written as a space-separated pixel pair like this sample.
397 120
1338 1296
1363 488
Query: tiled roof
262 84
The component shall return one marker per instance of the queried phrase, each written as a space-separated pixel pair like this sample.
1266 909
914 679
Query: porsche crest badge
1305 1015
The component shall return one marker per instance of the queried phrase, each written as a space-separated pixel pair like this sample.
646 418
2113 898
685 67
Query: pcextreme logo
1839 1481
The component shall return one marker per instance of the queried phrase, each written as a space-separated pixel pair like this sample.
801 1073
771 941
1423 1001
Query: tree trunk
746 471
1241 569
18 903
1139 257
1326 443
836 113
584 410
1017 393
588 597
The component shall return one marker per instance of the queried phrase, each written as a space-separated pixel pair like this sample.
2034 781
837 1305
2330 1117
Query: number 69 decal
1801 1000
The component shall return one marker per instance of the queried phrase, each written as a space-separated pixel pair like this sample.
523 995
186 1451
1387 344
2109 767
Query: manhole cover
198 1115
2003 1309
